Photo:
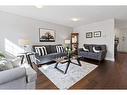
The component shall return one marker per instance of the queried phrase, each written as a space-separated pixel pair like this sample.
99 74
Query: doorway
122 46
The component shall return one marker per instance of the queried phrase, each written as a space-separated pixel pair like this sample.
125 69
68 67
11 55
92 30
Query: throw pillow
8 65
96 50
41 50
60 49
16 62
5 65
2 61
85 49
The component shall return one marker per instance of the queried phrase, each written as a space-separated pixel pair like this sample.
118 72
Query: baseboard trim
110 59
122 52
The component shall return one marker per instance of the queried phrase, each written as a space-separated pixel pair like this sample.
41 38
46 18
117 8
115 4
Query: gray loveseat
91 54
51 54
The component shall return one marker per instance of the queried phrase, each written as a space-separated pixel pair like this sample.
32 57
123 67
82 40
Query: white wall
107 28
14 27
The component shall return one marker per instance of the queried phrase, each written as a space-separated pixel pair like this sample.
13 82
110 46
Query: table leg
58 68
56 65
78 61
68 63
67 67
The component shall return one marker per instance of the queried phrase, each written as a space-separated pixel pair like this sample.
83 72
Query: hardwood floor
108 75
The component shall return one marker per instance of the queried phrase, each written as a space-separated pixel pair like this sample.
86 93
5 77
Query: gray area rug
73 75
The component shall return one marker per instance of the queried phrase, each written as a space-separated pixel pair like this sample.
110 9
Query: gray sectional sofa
51 54
91 54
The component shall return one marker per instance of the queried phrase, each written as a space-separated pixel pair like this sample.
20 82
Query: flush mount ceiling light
38 6
75 19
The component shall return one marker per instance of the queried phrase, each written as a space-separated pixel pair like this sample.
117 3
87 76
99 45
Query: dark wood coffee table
67 60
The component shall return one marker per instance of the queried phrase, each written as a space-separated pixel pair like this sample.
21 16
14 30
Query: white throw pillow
2 61
16 62
85 49
5 65
8 65
94 50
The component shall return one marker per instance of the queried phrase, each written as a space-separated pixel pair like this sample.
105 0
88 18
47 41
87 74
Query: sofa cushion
44 60
98 47
48 48
93 55
84 54
53 49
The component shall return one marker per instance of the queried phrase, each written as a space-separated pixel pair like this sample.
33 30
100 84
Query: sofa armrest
34 58
12 74
80 50
102 54
30 73
37 55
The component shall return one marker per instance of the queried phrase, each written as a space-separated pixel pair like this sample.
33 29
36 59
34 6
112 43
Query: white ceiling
63 14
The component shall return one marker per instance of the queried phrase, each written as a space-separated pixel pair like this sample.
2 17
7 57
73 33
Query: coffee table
67 60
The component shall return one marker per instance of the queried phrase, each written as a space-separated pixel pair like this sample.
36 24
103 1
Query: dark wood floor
108 75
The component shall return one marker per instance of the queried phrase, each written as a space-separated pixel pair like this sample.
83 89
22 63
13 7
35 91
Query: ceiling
63 14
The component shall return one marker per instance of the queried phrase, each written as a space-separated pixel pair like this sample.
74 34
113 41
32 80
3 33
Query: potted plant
69 51
1 55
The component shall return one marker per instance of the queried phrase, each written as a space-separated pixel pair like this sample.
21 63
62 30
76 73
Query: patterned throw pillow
60 49
41 50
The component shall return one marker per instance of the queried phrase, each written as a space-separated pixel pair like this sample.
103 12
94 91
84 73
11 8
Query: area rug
73 75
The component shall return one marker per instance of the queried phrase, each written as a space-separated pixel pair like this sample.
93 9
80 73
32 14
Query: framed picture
97 34
46 35
89 35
